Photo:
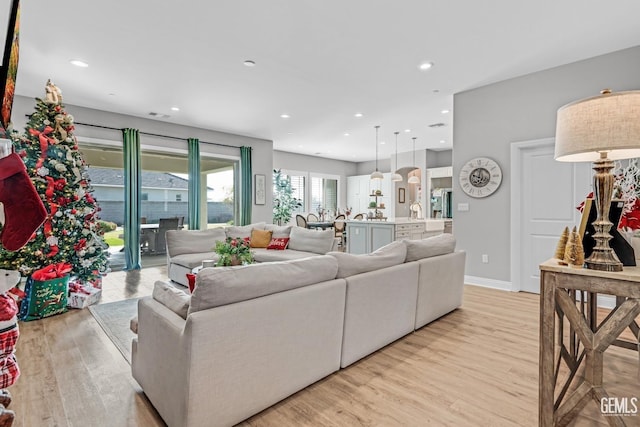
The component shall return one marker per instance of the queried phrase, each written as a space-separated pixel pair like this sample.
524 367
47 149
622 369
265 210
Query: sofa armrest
159 360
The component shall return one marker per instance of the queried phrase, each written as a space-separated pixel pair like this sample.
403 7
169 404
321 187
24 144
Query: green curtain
245 189
132 187
195 198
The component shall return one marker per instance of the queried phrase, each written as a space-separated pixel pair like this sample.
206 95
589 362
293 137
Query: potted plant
233 251
284 203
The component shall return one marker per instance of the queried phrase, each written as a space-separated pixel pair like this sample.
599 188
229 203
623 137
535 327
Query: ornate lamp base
603 258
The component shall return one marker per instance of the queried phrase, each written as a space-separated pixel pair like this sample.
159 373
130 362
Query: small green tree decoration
284 203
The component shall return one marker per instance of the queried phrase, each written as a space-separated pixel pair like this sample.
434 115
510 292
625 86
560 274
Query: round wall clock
480 177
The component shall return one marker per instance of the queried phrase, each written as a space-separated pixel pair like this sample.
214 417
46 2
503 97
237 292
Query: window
298 187
178 197
324 194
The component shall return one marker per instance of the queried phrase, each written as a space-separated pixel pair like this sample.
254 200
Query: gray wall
301 162
438 159
488 119
262 155
365 168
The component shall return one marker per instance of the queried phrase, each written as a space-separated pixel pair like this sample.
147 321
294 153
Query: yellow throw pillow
260 238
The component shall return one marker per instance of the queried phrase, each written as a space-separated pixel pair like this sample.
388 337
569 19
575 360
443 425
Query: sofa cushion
243 231
260 238
279 231
431 246
349 264
172 298
278 243
319 242
226 285
193 260
264 255
193 241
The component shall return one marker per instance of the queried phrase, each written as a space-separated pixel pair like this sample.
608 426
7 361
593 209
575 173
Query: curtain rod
155 134
150 134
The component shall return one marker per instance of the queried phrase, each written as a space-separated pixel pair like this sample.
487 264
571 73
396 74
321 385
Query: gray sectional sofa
250 336
186 249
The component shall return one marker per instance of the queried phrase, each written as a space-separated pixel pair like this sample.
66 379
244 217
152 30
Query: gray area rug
114 318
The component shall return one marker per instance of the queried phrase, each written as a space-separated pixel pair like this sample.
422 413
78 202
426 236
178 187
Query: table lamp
600 129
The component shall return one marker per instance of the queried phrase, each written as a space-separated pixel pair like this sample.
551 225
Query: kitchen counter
430 224
365 236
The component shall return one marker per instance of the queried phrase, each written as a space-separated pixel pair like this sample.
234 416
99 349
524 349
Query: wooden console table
570 294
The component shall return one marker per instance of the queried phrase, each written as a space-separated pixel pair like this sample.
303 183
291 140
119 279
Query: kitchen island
366 236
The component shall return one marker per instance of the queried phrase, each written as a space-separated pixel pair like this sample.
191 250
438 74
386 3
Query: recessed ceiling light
300 146
111 94
289 133
382 142
346 134
358 115
442 141
445 111
249 63
175 109
285 116
425 66
407 130
436 90
79 63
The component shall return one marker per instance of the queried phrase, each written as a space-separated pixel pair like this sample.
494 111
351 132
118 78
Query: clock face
480 177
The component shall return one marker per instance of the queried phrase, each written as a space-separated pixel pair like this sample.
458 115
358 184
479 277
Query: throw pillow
278 243
171 297
240 232
260 238
431 246
191 278
279 231
318 242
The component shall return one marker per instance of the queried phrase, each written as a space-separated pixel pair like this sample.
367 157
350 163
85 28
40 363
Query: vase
235 260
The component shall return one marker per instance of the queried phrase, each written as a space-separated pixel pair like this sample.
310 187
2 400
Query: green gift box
44 298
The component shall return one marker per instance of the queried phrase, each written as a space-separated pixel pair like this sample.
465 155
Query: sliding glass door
164 195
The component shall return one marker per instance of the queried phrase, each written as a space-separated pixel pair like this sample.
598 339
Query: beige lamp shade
608 123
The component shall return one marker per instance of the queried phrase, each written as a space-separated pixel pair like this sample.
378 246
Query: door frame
517 150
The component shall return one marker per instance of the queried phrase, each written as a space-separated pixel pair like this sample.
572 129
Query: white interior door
545 194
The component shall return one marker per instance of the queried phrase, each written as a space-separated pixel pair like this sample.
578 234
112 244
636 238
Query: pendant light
414 179
396 176
377 174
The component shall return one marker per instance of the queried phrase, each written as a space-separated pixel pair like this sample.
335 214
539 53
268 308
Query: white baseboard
488 283
605 301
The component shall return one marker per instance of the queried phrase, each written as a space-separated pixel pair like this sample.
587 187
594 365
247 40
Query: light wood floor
477 366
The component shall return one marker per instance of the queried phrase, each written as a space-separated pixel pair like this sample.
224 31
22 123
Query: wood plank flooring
477 366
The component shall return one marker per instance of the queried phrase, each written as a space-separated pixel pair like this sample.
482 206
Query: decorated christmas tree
574 252
71 232
562 244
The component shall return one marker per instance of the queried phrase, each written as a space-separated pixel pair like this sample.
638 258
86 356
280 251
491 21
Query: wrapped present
46 292
82 295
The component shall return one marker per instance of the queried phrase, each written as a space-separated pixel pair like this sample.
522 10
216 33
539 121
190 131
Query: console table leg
547 330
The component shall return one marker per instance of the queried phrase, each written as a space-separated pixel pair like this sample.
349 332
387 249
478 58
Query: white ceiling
318 61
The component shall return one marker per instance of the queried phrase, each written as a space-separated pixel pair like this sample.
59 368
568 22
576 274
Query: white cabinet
411 231
361 187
